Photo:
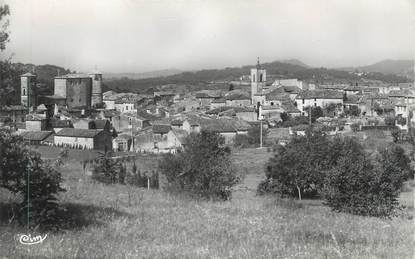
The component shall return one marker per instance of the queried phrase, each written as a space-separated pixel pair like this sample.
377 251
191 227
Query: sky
146 35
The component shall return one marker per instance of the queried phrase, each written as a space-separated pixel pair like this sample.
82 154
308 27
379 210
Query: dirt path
252 162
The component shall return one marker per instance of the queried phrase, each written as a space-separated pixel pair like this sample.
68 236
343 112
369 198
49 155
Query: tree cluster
108 170
340 171
24 173
203 169
352 111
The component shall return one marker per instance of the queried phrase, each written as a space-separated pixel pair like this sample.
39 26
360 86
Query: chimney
55 110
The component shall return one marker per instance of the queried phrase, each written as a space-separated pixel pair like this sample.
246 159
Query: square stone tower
28 93
96 99
258 80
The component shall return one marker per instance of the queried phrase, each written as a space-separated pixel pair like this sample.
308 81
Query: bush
373 122
397 135
316 112
330 109
355 127
294 121
352 111
254 134
285 116
297 168
390 120
252 138
357 186
241 140
140 179
23 172
108 170
204 168
401 120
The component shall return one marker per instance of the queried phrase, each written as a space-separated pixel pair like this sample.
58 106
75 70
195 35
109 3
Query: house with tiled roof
131 121
35 122
367 102
320 97
352 90
407 95
281 92
206 97
58 125
333 87
101 124
276 97
160 139
147 115
5 121
35 137
17 113
243 113
228 128
291 82
84 138
237 98
187 104
401 108
125 105
122 142
290 108
220 102
161 129
165 97
177 124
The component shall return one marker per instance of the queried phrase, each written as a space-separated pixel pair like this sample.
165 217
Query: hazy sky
146 35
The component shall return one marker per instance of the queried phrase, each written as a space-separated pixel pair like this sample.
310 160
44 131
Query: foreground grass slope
126 222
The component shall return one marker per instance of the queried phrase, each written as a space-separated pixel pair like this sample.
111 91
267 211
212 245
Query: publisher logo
29 240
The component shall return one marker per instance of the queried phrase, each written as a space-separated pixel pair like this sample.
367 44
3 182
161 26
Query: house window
24 91
126 108
272 103
315 104
303 101
260 78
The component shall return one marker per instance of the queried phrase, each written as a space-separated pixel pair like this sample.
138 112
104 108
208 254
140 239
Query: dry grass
125 222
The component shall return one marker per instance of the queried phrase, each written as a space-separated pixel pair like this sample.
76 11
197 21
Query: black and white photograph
207 129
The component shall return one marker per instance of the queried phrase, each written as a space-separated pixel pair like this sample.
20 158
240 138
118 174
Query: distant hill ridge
157 73
403 67
291 68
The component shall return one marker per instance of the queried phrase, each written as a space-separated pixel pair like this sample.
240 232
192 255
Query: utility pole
132 135
309 115
260 123
260 136
407 112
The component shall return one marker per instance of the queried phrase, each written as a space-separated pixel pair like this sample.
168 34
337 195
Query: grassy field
126 222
